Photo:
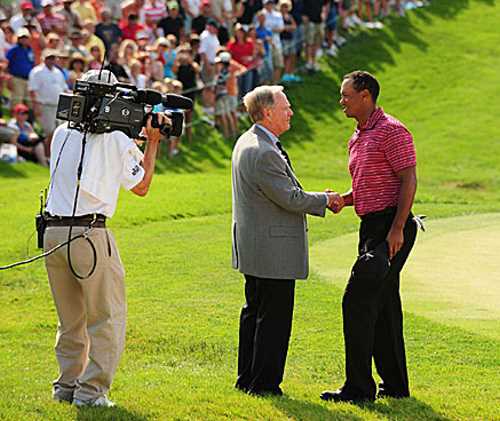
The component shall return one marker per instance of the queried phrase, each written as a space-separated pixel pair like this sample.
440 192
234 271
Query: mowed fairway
439 73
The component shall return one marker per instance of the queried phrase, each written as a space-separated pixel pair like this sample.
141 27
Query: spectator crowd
213 51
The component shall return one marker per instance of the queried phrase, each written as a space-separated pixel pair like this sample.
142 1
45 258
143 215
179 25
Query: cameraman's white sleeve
132 172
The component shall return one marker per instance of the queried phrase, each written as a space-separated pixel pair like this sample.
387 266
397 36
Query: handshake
335 201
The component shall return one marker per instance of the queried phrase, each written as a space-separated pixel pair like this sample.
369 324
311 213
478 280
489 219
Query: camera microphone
172 101
148 96
177 101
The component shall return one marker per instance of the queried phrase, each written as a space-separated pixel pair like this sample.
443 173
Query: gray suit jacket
269 228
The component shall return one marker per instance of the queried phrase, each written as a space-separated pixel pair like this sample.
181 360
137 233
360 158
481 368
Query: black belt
94 220
384 212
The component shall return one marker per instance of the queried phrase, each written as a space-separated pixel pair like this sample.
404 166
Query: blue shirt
271 135
21 61
264 34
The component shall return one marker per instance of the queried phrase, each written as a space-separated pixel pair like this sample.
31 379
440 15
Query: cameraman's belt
93 220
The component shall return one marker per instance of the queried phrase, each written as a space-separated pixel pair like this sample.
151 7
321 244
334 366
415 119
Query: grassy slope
438 72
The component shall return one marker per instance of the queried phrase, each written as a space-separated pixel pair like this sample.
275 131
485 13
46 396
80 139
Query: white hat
142 35
105 76
45 3
223 57
23 32
49 52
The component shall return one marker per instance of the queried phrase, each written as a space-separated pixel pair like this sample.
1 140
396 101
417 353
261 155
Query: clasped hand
335 201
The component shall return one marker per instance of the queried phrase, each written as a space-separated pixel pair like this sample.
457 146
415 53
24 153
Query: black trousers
265 327
373 318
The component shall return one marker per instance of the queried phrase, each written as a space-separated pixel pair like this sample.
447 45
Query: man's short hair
363 80
98 76
259 99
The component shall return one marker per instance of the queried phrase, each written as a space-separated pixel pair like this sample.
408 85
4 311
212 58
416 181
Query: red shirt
242 52
53 22
130 31
378 150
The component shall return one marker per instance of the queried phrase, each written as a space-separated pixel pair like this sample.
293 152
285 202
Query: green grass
438 70
452 276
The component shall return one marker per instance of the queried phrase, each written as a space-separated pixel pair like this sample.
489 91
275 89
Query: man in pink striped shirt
382 163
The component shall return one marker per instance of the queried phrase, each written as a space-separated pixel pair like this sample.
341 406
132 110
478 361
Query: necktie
283 152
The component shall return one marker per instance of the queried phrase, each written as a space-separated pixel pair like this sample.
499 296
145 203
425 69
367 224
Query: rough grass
438 69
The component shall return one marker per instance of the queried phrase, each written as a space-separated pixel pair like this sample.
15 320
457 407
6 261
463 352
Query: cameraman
91 311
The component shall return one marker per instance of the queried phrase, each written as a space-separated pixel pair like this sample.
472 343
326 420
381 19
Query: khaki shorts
223 105
207 75
278 61
313 33
19 91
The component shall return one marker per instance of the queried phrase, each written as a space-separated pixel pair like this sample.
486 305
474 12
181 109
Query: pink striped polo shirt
378 150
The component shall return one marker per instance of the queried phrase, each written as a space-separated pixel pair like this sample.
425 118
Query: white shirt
111 160
47 84
209 43
274 22
219 7
194 7
3 44
17 22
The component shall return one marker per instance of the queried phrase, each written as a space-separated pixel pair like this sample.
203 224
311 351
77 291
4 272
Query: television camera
100 107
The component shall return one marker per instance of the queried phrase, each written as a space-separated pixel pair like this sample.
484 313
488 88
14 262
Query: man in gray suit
269 233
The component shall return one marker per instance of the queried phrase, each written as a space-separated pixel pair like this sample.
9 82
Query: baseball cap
223 57
49 52
22 32
21 108
26 5
213 23
267 1
142 35
46 3
172 5
373 266
75 34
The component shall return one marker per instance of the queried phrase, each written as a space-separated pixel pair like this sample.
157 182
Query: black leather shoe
341 396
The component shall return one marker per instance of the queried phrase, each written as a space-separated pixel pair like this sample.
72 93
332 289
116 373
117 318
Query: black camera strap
75 204
41 221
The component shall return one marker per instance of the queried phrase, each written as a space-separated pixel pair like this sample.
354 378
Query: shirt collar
375 116
271 136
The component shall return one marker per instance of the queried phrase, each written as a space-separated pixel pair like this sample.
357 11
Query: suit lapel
262 135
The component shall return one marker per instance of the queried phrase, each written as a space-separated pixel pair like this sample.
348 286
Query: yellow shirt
85 11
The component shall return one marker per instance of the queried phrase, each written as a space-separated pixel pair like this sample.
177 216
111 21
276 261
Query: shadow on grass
306 410
391 409
403 409
10 170
317 99
112 414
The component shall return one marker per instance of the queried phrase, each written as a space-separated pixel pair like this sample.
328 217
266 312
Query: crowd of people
213 51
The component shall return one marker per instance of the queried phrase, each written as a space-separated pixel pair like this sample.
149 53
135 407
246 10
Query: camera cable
75 203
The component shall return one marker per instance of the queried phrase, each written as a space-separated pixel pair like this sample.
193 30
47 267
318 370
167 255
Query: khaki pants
92 312
48 118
